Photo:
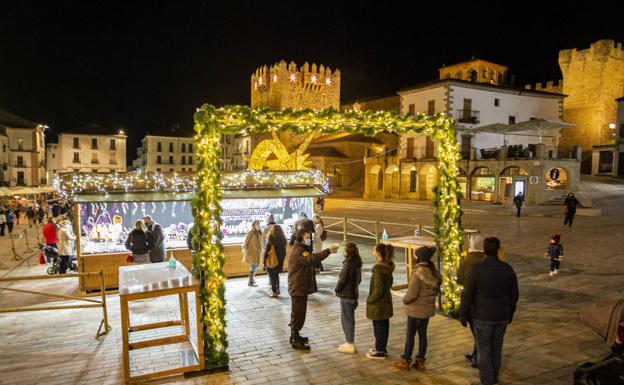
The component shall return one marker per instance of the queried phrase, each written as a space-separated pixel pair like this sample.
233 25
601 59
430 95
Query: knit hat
270 218
476 243
425 253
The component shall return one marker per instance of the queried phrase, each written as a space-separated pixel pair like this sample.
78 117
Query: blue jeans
347 316
490 337
416 325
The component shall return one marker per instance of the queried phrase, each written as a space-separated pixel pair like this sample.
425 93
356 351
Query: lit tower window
260 81
292 77
274 78
314 79
328 82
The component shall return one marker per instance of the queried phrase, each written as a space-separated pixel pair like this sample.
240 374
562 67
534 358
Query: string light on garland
212 122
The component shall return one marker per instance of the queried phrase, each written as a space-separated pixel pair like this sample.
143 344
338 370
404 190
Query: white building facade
92 153
508 139
160 153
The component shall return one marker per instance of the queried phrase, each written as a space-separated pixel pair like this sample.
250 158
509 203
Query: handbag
565 209
271 259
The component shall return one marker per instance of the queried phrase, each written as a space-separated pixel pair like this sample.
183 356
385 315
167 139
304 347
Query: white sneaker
346 348
551 274
556 271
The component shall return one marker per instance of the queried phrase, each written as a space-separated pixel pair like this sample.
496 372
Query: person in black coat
273 237
347 289
137 243
570 203
489 300
518 202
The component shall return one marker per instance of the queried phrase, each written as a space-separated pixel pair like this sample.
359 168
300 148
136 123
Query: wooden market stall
103 219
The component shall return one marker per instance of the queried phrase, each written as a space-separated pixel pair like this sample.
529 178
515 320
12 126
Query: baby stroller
52 253
607 319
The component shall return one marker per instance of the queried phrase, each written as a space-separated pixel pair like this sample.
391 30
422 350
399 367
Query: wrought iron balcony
468 116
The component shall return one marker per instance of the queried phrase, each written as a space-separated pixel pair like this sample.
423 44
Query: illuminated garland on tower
212 122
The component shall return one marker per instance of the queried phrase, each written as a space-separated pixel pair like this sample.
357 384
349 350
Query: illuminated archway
212 122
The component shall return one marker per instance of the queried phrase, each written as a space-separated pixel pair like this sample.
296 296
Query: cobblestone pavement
542 346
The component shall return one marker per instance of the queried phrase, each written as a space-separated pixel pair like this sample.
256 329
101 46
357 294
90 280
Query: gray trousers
347 316
490 337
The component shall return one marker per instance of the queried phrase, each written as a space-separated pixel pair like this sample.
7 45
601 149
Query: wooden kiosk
104 214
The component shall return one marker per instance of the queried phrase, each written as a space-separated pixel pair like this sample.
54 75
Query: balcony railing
468 116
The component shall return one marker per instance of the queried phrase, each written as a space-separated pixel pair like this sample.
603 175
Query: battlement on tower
600 50
555 86
282 85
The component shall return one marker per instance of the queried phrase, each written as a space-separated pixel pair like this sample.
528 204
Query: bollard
344 229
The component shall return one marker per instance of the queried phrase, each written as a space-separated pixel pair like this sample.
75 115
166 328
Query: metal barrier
94 302
350 227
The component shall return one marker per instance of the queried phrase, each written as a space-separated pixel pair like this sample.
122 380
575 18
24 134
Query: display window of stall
483 185
556 179
106 220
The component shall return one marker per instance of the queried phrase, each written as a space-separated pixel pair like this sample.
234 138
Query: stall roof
160 196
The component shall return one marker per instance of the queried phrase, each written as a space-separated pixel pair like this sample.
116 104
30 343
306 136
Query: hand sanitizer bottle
384 235
172 261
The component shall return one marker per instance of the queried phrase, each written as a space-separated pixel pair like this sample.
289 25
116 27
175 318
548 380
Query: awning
10 191
187 196
530 125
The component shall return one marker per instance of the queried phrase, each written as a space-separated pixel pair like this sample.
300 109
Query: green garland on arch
211 122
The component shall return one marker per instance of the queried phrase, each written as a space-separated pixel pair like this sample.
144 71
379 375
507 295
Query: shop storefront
483 185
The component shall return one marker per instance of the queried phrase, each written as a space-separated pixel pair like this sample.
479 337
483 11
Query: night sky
144 66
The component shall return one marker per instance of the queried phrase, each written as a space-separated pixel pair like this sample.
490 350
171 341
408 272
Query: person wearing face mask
301 283
252 248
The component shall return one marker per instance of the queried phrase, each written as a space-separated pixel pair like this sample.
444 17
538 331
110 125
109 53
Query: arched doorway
427 181
511 182
482 184
392 181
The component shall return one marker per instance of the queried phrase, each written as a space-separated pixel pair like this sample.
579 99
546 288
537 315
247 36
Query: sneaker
377 355
371 350
551 274
346 348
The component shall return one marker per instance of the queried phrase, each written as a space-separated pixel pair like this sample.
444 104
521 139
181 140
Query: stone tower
592 78
282 86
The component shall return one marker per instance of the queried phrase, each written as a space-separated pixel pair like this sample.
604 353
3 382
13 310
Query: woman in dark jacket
379 301
274 237
137 243
347 289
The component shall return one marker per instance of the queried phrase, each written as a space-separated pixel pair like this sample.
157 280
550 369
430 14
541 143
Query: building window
76 142
20 178
190 147
492 75
171 160
412 109
170 147
431 107
94 158
337 177
183 159
20 144
76 157
76 170
183 147
94 170
170 170
497 102
20 161
94 144
500 78
380 180
413 179
159 147
54 155
113 144
622 131
158 159
158 169
484 73
190 160
183 169
410 148
458 75
512 119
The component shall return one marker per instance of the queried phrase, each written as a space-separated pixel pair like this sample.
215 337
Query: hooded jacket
422 291
301 277
379 300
